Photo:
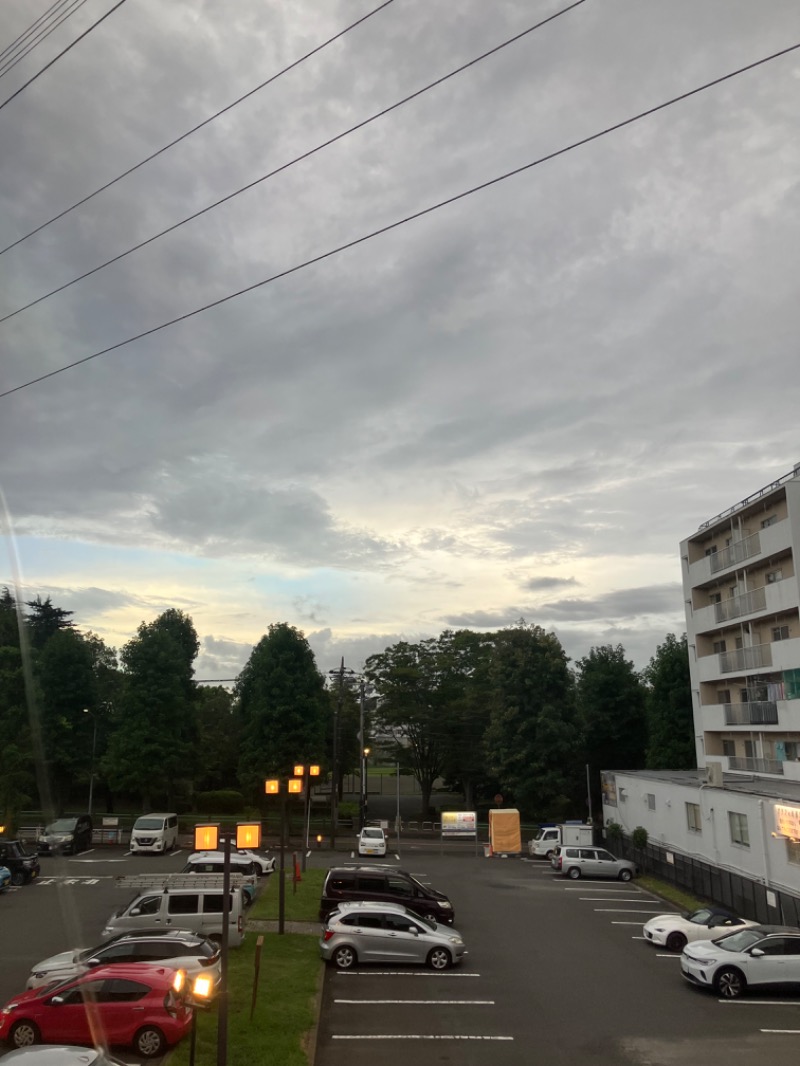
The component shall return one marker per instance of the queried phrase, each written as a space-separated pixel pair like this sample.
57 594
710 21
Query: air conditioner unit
714 774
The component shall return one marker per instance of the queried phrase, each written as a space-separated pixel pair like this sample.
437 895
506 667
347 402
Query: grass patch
670 893
284 1013
299 906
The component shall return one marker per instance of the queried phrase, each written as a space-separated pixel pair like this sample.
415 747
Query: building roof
751 785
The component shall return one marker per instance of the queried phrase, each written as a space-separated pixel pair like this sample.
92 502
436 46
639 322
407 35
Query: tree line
488 713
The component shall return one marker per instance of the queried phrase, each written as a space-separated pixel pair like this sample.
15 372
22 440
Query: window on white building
651 801
719 647
715 597
739 831
773 575
780 632
693 817
793 852
729 748
765 522
712 550
724 695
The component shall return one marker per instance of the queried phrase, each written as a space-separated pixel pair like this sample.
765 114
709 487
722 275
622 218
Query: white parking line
623 910
668 955
604 899
630 923
417 1036
399 973
761 1003
780 1030
423 1002
627 923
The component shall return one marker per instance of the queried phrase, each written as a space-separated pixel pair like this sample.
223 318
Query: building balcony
762 712
736 606
741 659
755 766
736 553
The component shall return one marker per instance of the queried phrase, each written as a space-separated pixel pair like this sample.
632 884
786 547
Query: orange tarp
504 831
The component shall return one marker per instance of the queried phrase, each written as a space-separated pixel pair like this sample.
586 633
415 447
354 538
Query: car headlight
455 940
445 906
701 962
9 1007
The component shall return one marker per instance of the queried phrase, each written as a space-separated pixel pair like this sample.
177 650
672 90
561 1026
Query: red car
134 1005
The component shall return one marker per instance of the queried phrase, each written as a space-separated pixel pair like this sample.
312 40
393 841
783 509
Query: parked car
136 1006
674 931
156 833
67 835
762 956
381 884
5 878
263 865
591 862
23 865
213 862
371 841
179 949
58 1055
387 933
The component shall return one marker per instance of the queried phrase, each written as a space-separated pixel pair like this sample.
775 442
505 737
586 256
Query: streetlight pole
272 787
94 749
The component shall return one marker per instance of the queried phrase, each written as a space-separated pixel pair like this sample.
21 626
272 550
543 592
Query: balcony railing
762 712
745 659
736 553
762 766
736 606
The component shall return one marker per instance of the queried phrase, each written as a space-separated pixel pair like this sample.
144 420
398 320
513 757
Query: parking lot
557 972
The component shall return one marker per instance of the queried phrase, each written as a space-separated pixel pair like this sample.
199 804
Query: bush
222 801
639 838
613 832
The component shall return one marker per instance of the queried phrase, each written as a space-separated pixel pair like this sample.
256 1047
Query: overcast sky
514 406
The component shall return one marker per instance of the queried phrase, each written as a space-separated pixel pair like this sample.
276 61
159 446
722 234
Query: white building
740 810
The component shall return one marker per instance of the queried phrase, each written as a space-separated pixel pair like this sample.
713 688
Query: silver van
196 909
591 862
157 833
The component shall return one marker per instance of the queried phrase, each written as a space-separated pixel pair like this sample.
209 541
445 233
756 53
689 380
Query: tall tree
44 620
611 714
151 750
670 717
406 680
218 740
532 740
17 781
282 704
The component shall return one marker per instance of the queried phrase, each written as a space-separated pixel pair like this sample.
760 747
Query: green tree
66 686
44 620
281 704
218 740
532 742
611 714
152 748
17 780
670 717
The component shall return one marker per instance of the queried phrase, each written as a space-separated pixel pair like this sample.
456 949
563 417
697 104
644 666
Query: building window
651 801
765 522
774 575
739 833
749 749
729 748
780 632
693 817
712 550
719 647
724 695
793 852
716 597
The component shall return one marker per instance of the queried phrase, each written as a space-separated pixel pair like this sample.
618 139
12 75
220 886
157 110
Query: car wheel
676 942
730 983
625 875
345 958
438 958
574 872
150 1042
18 878
549 855
24 1034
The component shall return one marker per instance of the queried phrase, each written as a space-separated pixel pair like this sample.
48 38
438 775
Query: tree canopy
669 707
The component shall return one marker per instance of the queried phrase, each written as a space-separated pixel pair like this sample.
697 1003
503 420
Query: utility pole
362 757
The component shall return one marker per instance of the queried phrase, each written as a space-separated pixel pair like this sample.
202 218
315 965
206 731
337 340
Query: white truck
546 839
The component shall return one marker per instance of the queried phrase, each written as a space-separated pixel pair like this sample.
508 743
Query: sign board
670 858
110 823
608 784
787 821
459 823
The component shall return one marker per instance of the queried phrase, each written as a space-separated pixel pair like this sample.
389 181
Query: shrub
639 837
614 832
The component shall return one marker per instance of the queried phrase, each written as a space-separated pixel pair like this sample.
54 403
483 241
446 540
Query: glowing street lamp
272 787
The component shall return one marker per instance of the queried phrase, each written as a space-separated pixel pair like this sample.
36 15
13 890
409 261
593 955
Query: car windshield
701 917
376 833
740 941
61 825
149 823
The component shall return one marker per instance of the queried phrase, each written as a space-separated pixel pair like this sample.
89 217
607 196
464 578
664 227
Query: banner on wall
608 784
787 821
459 823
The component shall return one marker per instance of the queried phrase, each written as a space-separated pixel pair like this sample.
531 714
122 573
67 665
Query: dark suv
383 884
66 835
23 865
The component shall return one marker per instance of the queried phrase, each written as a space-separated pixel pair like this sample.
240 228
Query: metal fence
751 899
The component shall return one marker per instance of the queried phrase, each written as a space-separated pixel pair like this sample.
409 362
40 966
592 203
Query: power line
9 63
408 218
26 33
199 126
291 163
63 52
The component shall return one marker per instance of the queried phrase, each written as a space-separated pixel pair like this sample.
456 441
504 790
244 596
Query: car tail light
212 961
240 924
327 934
558 863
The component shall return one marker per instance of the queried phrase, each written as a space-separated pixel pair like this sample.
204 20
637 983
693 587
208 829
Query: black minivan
66 835
380 884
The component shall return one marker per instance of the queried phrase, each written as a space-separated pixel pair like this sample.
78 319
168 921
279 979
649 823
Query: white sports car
263 864
675 931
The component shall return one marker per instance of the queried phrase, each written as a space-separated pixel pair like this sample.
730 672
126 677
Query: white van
157 833
196 909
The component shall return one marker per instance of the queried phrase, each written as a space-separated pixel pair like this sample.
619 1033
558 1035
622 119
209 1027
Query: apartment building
741 584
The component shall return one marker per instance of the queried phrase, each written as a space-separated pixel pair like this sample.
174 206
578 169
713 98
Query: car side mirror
57 1001
135 910
94 962
756 953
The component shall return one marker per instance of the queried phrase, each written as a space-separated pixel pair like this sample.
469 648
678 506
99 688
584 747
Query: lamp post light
272 787
364 791
206 838
306 772
94 749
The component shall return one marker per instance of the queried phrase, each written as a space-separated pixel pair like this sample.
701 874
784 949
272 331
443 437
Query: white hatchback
371 841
